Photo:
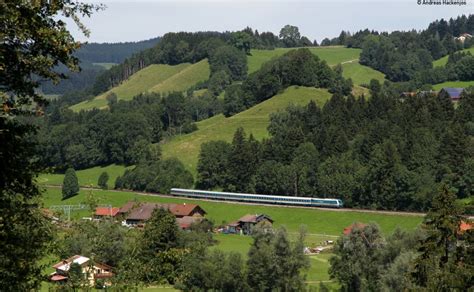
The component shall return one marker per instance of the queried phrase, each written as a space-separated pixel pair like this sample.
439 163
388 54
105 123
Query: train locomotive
255 198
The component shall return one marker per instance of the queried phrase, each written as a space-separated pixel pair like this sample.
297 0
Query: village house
247 223
105 212
92 271
136 214
453 93
463 37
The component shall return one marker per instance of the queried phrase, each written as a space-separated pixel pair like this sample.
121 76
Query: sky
139 20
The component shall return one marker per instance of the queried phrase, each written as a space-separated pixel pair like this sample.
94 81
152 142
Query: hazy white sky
139 20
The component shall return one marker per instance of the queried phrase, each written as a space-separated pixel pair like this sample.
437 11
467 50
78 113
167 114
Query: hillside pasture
462 84
361 74
86 177
254 120
158 78
184 79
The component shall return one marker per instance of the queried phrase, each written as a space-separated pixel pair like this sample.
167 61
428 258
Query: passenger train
254 198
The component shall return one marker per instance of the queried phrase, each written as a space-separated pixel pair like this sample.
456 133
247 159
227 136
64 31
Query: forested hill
113 52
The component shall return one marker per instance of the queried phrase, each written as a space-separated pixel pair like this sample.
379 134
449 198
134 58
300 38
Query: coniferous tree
103 180
240 168
70 184
444 263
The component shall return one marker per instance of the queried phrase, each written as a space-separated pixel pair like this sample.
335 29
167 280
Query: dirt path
350 61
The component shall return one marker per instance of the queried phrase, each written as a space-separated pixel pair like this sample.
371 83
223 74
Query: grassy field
332 55
154 78
361 74
254 120
184 79
319 223
463 84
442 62
86 177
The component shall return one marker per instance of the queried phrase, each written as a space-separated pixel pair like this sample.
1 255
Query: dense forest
112 52
89 55
408 56
386 152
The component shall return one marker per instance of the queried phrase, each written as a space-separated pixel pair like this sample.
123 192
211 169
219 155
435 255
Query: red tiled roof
348 229
249 218
57 277
69 260
184 209
128 206
186 221
104 211
465 226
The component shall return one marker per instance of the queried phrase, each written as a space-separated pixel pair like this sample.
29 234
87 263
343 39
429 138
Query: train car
280 200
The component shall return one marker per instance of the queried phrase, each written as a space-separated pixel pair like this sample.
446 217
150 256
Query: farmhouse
453 93
91 270
136 214
247 223
104 212
349 228
463 37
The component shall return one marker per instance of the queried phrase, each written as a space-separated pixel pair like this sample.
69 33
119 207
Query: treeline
96 137
297 67
112 52
384 153
405 56
75 81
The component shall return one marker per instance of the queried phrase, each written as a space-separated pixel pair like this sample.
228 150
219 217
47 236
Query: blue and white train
254 198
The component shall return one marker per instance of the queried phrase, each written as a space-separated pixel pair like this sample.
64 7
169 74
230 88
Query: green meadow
184 79
463 84
442 61
86 177
361 74
254 120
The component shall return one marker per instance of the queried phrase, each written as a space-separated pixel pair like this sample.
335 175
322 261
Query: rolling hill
349 58
157 78
254 120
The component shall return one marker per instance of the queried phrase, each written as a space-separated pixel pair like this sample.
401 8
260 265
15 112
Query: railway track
394 213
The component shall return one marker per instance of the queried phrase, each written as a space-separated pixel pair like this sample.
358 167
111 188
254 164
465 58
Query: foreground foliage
34 41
